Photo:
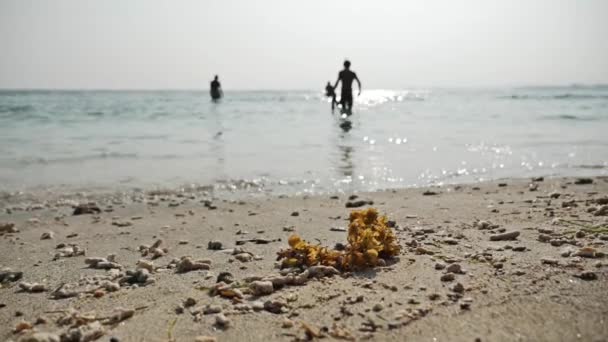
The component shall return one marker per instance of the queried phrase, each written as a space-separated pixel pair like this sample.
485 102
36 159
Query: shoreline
510 290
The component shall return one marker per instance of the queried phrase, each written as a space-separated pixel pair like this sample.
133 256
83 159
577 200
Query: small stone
222 321
211 309
214 245
439 266
40 337
378 307
287 323
261 288
295 213
32 287
243 257
549 261
519 249
47 236
447 277
580 234
587 252
186 264
225 277
504 236
587 275
458 288
22 326
189 302
583 181
205 339
454 268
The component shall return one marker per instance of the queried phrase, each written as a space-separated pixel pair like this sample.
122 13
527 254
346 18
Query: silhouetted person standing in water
347 77
216 89
330 92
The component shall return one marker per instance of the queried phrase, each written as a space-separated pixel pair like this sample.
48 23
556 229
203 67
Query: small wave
569 117
15 109
78 159
95 113
566 96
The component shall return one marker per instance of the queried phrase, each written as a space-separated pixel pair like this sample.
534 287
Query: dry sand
514 290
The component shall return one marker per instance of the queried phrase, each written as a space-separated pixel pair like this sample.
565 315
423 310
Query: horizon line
417 87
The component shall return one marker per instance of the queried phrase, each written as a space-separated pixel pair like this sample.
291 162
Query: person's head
347 64
215 78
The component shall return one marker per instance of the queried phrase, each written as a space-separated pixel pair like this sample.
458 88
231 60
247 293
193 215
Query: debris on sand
40 337
101 263
369 239
187 264
68 251
214 245
8 227
153 251
32 287
139 276
505 236
88 208
47 236
261 288
7 275
83 333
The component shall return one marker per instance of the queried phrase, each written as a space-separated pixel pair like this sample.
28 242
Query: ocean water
291 142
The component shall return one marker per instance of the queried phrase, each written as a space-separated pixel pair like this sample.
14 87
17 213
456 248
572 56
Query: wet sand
549 283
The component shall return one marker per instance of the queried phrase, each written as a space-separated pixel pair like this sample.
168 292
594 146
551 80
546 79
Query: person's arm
358 83
221 91
337 81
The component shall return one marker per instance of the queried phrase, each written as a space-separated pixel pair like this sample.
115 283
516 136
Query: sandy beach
510 260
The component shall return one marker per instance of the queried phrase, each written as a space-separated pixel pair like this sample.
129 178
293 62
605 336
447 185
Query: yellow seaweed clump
369 239
303 253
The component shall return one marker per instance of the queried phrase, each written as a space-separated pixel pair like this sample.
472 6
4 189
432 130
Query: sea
290 142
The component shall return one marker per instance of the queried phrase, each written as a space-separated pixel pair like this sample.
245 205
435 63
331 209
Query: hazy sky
283 44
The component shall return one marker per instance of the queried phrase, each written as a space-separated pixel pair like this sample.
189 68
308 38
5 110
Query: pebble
287 323
378 307
225 277
458 288
40 337
587 275
447 277
261 288
505 236
32 287
439 266
295 213
549 261
588 252
8 227
212 309
146 264
189 302
243 257
519 248
205 339
222 321
186 264
566 252
454 268
257 305
47 236
214 245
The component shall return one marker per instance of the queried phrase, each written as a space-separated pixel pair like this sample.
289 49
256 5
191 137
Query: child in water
330 92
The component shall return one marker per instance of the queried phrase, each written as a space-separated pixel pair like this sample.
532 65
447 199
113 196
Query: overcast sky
283 44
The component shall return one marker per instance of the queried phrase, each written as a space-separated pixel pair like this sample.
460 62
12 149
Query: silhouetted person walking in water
216 89
347 77
330 92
